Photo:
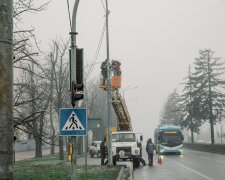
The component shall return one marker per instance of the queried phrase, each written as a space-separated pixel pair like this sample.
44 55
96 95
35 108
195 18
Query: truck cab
125 146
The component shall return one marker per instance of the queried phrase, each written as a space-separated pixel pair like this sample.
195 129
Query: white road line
204 157
222 162
206 177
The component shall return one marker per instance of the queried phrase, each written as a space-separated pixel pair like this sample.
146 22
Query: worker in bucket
104 72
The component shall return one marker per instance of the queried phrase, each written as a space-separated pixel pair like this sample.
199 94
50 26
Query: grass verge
49 168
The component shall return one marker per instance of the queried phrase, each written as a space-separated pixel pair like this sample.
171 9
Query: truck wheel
136 162
91 154
114 161
99 154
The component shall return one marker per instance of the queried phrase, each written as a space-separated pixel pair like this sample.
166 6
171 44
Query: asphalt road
191 165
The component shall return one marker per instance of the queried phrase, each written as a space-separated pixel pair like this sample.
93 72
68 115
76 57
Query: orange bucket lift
115 82
116 78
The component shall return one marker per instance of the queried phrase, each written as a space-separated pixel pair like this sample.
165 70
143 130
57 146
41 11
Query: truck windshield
123 137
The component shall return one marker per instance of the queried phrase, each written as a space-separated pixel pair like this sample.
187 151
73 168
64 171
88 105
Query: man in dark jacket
103 150
150 147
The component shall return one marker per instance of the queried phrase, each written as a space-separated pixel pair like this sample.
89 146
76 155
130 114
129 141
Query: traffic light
79 65
77 93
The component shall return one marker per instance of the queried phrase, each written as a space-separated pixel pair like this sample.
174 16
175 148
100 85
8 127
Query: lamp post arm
73 34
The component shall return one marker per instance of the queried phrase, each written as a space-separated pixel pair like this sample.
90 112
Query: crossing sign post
73 121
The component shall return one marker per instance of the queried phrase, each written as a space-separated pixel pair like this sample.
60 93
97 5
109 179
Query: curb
120 175
126 172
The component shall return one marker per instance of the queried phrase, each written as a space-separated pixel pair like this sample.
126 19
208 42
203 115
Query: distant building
95 125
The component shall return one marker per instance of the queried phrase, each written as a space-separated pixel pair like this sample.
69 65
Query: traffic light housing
77 93
79 65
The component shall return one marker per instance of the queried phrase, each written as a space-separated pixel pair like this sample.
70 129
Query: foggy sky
155 40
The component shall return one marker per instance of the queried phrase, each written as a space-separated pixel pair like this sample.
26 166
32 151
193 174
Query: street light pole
73 34
6 89
110 162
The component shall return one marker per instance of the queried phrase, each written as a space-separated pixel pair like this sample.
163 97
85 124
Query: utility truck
125 144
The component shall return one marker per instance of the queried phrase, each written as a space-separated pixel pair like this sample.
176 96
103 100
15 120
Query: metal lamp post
73 34
73 77
110 162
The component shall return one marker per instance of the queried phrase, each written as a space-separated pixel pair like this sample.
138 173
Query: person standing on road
103 150
150 147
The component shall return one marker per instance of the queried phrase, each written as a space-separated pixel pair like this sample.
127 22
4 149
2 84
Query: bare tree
59 75
29 118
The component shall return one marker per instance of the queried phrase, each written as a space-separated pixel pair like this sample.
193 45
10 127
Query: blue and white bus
168 139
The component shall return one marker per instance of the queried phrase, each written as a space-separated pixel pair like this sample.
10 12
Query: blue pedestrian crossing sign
73 121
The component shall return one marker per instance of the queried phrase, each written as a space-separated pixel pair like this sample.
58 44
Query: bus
168 138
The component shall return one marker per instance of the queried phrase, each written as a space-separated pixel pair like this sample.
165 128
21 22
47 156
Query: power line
103 5
97 52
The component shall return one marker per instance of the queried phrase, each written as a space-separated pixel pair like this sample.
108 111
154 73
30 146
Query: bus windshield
123 137
171 138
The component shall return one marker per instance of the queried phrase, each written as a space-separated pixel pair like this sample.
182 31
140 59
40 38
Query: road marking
222 162
206 177
204 157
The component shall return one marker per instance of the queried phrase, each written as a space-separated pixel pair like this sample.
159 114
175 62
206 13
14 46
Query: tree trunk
53 145
210 104
52 127
38 142
53 142
61 150
6 90
39 138
192 136
212 132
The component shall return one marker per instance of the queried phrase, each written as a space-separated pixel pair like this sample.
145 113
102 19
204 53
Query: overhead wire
99 43
103 5
96 53
98 48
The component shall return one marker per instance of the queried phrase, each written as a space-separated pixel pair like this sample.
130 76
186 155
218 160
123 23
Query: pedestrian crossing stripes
73 123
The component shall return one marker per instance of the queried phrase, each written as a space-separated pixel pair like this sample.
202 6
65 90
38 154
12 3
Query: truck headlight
136 151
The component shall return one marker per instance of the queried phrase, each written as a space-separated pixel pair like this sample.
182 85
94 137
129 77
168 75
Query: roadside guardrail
216 148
